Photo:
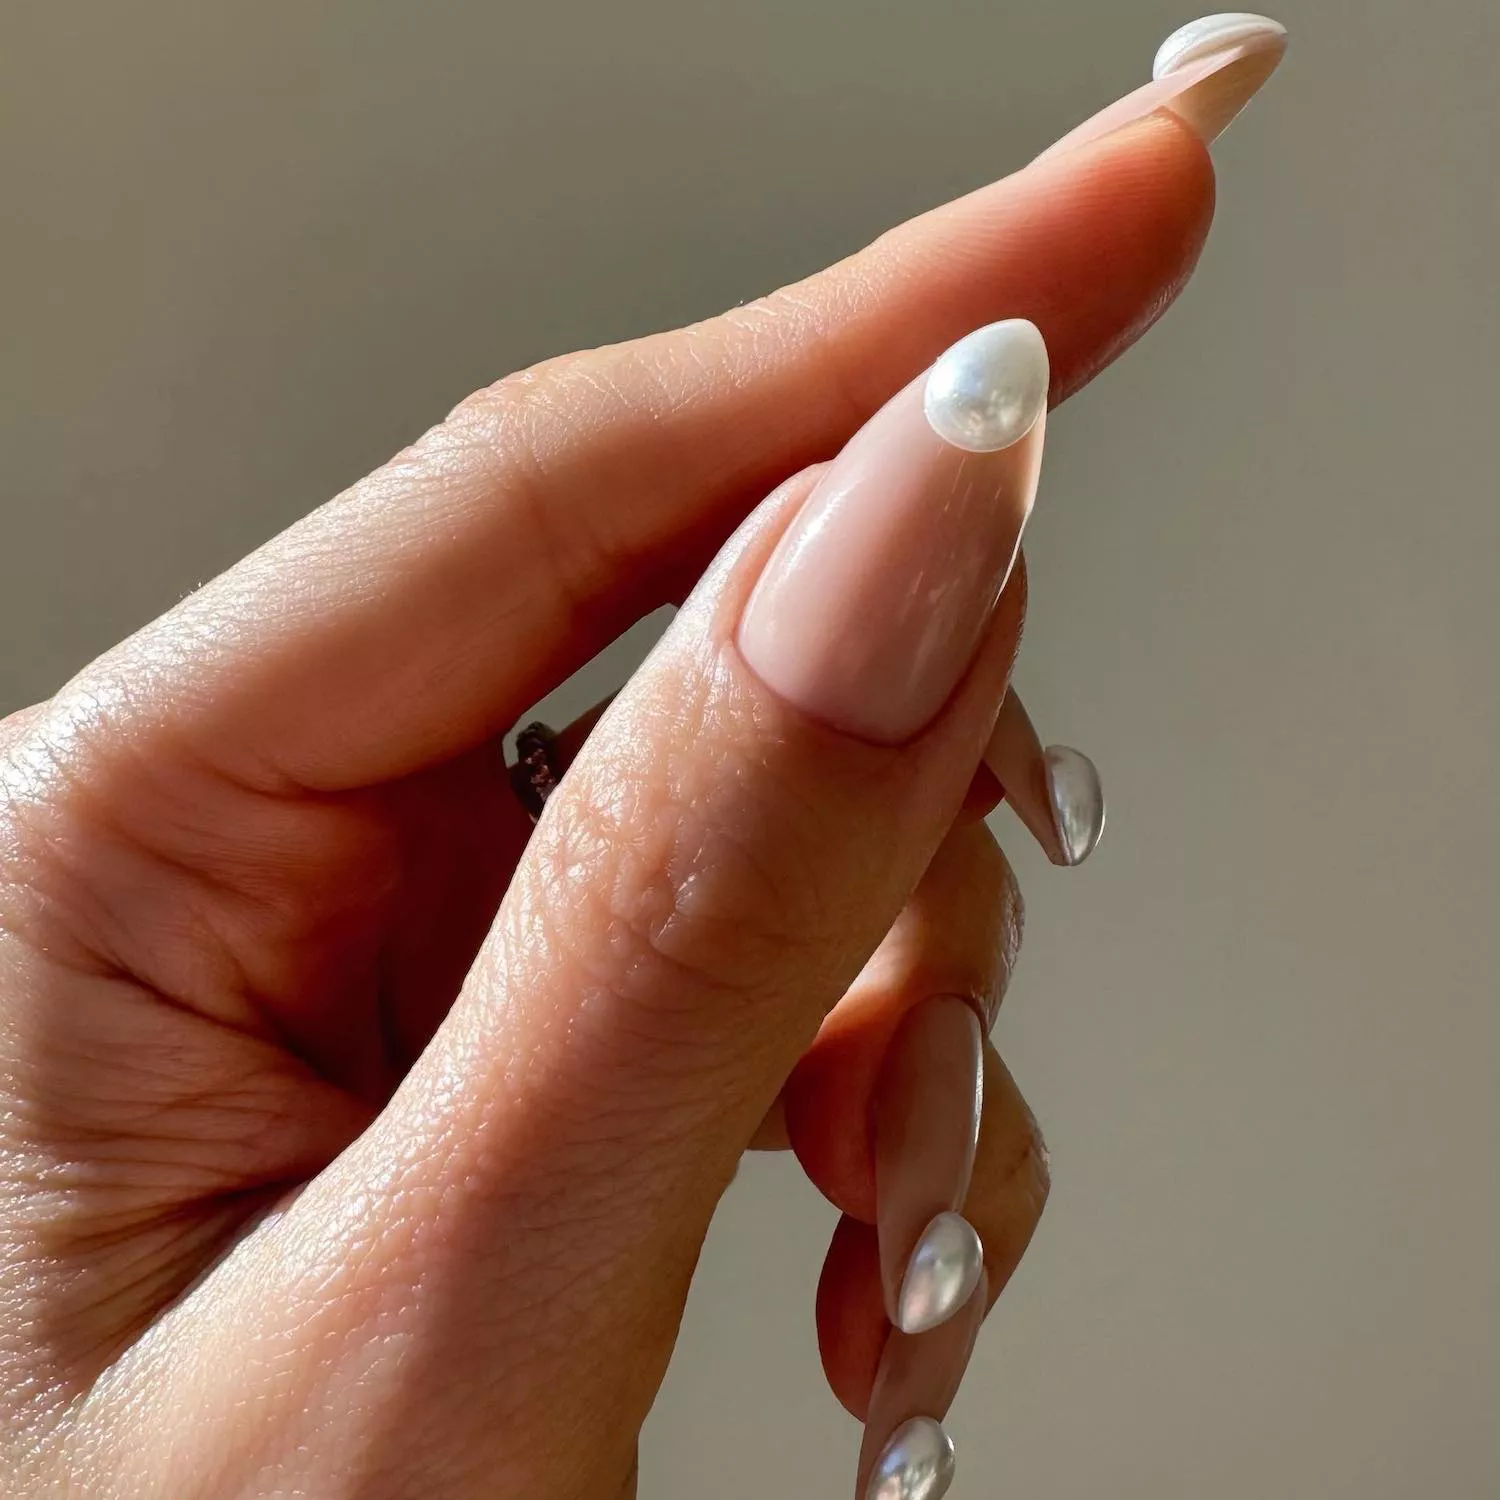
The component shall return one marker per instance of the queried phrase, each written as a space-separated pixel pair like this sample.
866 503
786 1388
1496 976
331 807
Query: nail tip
988 390
1206 35
945 1266
1076 793
917 1463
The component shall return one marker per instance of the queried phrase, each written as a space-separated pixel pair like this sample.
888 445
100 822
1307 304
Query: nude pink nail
925 1129
877 597
1205 73
917 1379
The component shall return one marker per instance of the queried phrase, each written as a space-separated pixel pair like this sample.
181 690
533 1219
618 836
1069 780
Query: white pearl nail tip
917 1463
1077 801
1210 34
941 1275
988 389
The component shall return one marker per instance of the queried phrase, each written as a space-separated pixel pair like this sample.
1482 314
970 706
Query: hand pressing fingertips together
360 1119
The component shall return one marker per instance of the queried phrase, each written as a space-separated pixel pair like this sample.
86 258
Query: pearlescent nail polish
919 1375
917 1463
1077 799
941 1275
1205 73
986 392
1216 34
925 1128
1055 792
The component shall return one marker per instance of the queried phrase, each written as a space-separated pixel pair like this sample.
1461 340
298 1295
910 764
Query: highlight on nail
941 1275
916 1464
881 590
987 390
1055 791
1210 34
1077 799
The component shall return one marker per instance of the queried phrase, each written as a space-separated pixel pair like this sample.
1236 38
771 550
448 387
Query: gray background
251 249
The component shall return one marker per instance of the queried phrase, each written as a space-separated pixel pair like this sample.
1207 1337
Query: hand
359 1140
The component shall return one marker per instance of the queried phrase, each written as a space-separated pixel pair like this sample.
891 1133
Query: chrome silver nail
941 1275
1077 799
917 1463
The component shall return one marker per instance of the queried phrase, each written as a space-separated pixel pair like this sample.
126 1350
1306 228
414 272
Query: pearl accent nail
1055 792
918 1376
943 1271
925 1129
917 1463
879 593
1205 73
1210 34
987 391
1077 799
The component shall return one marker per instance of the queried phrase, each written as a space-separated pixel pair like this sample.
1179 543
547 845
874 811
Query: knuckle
664 883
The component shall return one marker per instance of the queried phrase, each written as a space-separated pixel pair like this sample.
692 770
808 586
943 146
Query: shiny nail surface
926 1112
919 1375
1055 792
941 1275
874 602
988 389
917 1463
1077 800
1213 34
1205 73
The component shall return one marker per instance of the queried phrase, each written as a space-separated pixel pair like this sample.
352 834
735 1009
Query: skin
275 935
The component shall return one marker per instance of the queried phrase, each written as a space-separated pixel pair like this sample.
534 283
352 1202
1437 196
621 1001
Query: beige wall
250 249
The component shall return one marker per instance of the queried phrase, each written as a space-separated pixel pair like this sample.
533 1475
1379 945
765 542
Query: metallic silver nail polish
1077 799
943 1271
917 1463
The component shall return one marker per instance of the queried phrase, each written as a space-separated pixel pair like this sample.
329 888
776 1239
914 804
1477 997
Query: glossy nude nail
874 602
1054 791
1205 73
917 1379
925 1128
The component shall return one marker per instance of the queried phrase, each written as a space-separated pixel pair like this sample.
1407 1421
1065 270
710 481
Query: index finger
424 610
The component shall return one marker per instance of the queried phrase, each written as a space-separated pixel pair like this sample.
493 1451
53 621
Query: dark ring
536 773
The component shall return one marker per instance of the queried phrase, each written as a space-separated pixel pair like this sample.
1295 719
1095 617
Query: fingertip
1143 197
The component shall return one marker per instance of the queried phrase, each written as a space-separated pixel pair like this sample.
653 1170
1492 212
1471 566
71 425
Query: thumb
730 846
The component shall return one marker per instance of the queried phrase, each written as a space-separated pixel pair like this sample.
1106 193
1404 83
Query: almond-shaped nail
917 1379
941 1273
925 1128
874 602
1054 791
1077 801
1205 73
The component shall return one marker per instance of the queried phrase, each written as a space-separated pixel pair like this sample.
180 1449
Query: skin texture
275 936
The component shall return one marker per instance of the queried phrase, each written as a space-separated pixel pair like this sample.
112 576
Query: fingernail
1055 791
917 1463
874 602
925 1130
1205 73
943 1270
918 1377
1077 801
